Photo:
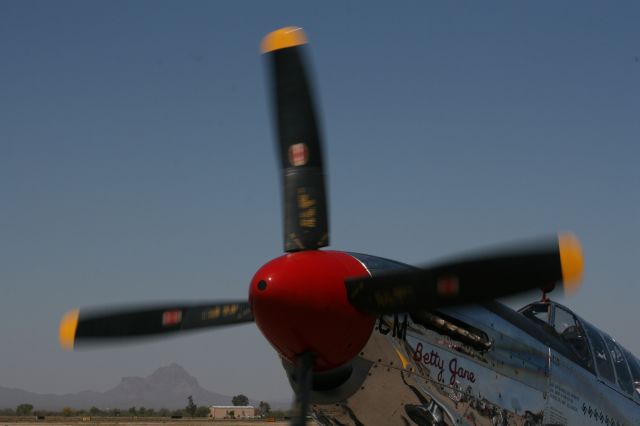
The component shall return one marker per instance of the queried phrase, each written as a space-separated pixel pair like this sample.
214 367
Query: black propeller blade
95 326
486 277
303 377
299 145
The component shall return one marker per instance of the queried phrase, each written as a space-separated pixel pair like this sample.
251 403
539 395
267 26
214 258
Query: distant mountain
167 387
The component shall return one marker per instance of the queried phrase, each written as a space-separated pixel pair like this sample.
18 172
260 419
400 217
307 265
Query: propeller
306 225
303 378
491 275
102 326
299 297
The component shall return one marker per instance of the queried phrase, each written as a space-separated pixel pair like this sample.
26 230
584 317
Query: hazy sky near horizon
137 159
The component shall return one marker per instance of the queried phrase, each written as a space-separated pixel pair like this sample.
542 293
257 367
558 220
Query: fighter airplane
371 341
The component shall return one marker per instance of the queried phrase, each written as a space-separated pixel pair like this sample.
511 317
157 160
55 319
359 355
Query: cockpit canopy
593 349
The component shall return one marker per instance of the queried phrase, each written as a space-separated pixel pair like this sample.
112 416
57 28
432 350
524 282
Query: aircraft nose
299 303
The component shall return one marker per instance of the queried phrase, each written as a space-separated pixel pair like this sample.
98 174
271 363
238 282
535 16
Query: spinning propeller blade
101 326
469 280
303 376
299 145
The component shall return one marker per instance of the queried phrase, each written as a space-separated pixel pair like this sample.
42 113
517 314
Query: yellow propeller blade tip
571 262
67 330
283 38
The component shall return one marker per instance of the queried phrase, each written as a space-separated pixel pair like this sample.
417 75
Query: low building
232 411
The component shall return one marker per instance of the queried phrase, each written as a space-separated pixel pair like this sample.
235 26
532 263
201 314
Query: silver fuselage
412 373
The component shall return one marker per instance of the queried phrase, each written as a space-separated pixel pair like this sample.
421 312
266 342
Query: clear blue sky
137 160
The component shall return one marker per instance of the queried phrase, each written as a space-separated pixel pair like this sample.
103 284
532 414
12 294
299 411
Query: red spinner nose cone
299 302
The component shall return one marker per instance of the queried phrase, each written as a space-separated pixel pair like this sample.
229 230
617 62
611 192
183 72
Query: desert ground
30 421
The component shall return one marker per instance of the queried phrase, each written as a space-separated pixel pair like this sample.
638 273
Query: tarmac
29 421
149 423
